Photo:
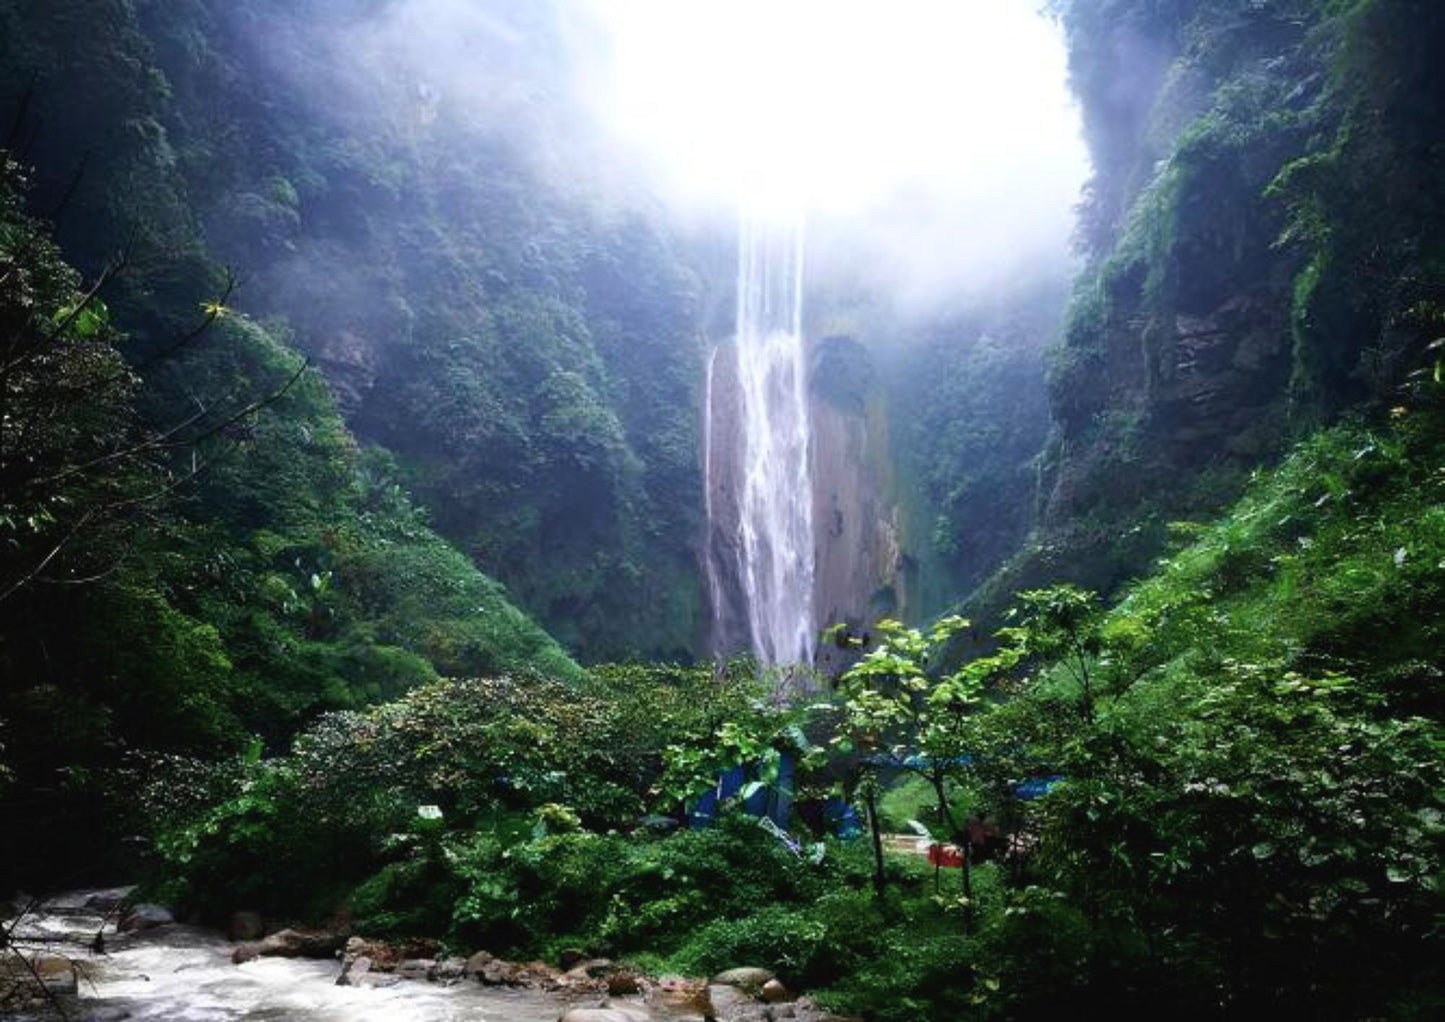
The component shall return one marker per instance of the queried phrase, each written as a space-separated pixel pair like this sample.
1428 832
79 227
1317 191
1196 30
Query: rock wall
727 630
857 561
858 575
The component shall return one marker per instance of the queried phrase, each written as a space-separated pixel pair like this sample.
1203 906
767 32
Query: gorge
435 435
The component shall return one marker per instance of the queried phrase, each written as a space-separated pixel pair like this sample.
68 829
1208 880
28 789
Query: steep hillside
1264 234
195 550
438 233
435 226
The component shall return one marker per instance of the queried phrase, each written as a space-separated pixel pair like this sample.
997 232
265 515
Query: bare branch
29 576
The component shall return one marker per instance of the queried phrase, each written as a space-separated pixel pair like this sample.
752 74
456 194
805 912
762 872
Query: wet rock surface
172 972
291 943
145 917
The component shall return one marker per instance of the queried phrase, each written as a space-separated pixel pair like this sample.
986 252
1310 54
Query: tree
899 717
1059 624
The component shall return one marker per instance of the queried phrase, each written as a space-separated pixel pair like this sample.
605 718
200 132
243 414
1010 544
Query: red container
947 856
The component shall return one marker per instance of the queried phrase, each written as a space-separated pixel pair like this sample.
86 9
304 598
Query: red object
947 856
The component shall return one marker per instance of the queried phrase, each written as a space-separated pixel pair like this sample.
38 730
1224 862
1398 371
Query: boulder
245 926
290 943
145 917
625 983
352 971
416 968
449 970
107 901
293 943
608 1013
749 981
477 963
774 992
727 1002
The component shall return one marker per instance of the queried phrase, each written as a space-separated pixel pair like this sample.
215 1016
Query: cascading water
772 486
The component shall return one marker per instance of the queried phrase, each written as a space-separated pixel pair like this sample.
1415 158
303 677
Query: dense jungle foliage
1221 795
969 409
253 649
194 548
528 347
1263 232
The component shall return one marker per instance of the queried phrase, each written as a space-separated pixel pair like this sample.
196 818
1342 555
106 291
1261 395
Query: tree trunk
945 811
870 799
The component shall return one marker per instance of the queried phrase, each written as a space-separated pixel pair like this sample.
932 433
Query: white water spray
776 495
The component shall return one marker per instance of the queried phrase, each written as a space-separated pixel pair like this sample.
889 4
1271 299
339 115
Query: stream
179 973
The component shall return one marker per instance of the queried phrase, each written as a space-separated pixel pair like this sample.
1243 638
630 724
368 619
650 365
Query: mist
934 148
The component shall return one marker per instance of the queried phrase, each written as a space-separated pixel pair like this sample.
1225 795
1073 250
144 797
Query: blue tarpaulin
774 801
1037 787
842 819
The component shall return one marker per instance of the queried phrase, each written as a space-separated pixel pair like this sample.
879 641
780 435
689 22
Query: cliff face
1262 235
530 351
859 564
856 558
727 631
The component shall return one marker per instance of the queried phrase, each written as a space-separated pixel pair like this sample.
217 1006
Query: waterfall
772 490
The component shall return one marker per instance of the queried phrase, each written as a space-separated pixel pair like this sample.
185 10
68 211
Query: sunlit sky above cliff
839 104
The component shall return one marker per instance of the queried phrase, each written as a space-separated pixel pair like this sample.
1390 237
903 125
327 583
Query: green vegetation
968 413
1262 220
1236 779
528 351
194 551
253 648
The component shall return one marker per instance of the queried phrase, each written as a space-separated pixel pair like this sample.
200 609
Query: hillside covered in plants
443 541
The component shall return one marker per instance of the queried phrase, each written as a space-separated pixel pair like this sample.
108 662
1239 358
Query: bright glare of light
834 105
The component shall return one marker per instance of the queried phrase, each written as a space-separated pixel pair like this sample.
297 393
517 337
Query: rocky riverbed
93 957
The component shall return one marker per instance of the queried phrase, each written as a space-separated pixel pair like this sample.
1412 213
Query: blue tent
775 800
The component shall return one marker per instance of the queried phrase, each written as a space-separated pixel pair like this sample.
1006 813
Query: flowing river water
180 973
